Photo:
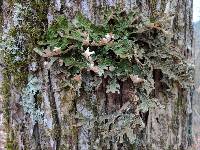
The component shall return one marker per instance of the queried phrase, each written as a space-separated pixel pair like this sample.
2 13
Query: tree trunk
195 108
43 111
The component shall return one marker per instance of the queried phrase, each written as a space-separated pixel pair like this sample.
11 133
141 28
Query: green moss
16 70
32 31
119 53
136 49
10 141
5 91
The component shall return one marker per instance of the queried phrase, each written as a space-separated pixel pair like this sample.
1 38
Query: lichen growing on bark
98 82
18 39
29 100
124 48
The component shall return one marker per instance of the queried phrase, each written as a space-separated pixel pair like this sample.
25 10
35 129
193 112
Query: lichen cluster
13 50
124 47
108 76
19 36
28 99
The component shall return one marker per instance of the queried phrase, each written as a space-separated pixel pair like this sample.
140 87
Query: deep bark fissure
36 130
105 82
36 135
157 77
121 93
56 121
185 26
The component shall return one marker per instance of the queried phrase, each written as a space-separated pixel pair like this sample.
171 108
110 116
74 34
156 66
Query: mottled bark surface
165 127
196 97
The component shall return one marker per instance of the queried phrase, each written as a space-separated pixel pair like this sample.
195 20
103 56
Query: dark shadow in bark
56 121
36 130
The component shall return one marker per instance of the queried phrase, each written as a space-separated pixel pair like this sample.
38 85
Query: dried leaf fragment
94 68
86 41
124 107
107 39
48 53
87 54
57 49
61 62
135 79
77 78
109 36
157 26
103 41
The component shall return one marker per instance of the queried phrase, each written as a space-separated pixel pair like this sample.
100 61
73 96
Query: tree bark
165 127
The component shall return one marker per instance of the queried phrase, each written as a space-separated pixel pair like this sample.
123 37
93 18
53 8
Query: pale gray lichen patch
17 15
58 5
111 2
28 99
85 8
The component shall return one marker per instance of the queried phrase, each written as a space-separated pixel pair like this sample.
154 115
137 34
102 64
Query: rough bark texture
166 127
195 104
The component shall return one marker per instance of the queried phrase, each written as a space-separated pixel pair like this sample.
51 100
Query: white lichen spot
50 17
17 58
88 54
111 2
167 8
68 3
85 8
17 14
84 111
58 5
33 66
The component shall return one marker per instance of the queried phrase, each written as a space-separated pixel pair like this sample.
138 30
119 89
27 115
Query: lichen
123 48
5 91
17 50
29 100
